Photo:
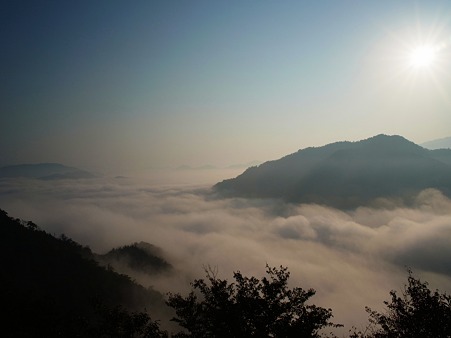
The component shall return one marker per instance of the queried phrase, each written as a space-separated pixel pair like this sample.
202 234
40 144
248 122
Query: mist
351 258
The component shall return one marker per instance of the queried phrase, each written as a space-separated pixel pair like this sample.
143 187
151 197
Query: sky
116 86
120 87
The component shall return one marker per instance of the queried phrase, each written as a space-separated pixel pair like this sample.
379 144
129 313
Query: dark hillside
347 174
52 287
442 155
140 257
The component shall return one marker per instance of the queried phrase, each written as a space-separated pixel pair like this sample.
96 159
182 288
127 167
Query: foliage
118 322
50 288
141 257
248 308
417 313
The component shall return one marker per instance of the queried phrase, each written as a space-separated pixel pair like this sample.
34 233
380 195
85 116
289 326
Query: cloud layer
352 259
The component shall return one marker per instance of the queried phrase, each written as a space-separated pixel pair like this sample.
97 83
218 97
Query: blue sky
116 86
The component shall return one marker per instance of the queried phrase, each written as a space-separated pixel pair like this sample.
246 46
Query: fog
351 258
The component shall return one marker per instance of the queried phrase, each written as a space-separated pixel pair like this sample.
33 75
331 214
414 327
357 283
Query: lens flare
423 56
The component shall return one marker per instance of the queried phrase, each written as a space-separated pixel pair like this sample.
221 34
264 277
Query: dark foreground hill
347 174
52 287
44 171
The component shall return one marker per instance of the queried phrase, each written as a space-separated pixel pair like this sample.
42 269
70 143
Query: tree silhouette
417 313
118 322
250 307
52 287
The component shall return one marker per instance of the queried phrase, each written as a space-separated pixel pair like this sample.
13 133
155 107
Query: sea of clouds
351 258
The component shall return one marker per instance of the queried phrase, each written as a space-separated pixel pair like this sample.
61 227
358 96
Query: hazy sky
119 85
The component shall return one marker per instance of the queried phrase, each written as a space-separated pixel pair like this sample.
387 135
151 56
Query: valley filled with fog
351 258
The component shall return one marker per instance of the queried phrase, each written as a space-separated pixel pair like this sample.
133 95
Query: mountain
137 257
442 143
347 174
44 171
244 165
203 167
52 287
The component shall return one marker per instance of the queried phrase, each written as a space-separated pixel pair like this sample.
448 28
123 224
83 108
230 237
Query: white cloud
352 259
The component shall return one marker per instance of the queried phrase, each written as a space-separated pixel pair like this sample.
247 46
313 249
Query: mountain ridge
346 174
43 171
53 287
139 257
441 143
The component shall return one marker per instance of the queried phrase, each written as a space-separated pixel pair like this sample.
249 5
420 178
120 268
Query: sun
423 56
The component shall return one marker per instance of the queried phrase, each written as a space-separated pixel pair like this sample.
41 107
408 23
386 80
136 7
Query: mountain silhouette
52 287
347 174
442 143
44 171
139 257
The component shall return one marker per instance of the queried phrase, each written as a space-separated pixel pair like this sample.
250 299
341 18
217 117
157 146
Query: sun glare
423 56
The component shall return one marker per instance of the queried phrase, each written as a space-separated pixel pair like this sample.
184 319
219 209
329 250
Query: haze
116 87
353 259
137 92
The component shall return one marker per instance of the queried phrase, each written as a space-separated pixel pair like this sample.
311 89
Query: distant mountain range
347 174
212 167
442 143
44 171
